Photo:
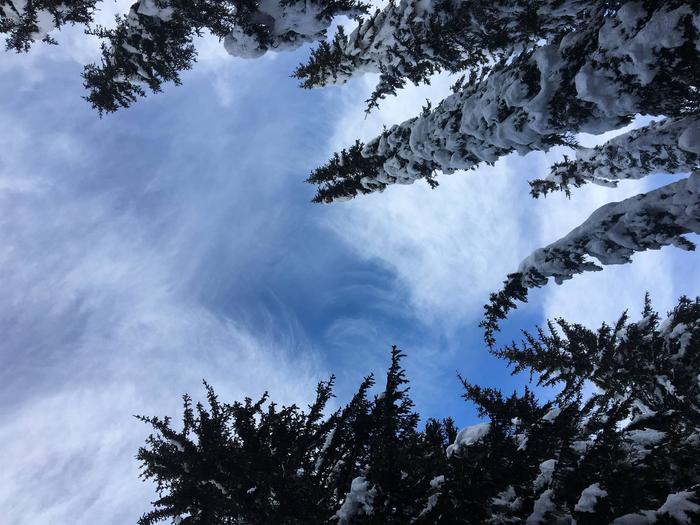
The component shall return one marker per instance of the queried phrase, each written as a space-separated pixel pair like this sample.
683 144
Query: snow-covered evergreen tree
412 39
612 234
638 58
620 60
626 459
26 21
154 42
624 454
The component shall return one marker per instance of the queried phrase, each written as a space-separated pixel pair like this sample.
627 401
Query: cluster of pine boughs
618 443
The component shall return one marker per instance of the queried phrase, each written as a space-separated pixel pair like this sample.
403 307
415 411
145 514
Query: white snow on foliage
400 32
615 231
288 26
640 412
636 47
284 26
357 501
176 443
507 498
218 486
468 436
552 414
671 145
437 481
508 111
324 448
543 505
645 517
152 9
665 382
521 440
589 498
545 476
14 11
641 441
435 484
680 507
684 334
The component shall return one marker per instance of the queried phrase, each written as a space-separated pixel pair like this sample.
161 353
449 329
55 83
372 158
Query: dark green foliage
632 441
22 24
342 176
148 51
325 60
500 303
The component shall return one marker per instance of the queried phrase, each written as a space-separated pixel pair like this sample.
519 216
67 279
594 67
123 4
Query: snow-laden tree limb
412 39
612 234
668 146
26 21
635 60
154 42
285 25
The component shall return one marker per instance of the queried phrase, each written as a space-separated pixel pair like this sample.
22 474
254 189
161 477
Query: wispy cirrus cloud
130 248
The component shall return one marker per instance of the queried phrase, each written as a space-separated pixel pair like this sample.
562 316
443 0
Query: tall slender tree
612 234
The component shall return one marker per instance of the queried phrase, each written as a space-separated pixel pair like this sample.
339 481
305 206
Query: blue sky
175 241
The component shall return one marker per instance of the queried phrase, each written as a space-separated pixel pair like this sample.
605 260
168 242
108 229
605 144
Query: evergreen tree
612 234
411 40
153 43
619 60
26 21
625 453
635 58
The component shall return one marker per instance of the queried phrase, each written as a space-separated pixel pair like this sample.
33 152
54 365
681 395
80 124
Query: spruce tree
617 443
637 58
26 21
153 43
619 60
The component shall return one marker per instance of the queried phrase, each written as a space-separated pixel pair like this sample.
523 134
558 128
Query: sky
175 241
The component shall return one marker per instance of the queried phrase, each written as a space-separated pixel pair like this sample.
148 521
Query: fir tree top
617 444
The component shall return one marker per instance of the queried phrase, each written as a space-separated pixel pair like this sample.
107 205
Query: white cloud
101 319
450 246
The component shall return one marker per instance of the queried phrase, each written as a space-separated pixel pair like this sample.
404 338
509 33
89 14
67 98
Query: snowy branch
26 21
413 39
154 42
669 146
612 234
